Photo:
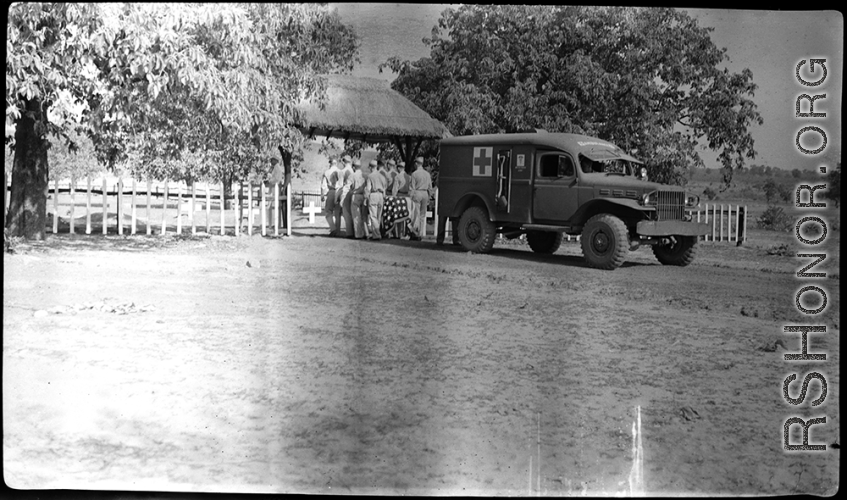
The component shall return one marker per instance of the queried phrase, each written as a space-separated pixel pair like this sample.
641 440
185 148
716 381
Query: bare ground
337 366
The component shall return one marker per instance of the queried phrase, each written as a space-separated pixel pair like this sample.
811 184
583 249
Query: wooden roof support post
399 147
417 147
409 157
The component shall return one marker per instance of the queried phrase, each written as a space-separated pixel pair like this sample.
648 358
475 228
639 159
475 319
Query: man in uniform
420 188
357 191
385 174
400 187
328 185
343 195
390 170
366 173
375 188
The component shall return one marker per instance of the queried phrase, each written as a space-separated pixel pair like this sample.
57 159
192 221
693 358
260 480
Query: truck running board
545 227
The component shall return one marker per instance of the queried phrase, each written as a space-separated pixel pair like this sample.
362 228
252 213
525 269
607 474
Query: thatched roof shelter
370 110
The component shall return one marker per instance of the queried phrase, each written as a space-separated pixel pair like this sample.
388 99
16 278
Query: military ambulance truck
546 185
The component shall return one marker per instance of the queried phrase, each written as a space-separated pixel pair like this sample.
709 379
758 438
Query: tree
771 190
649 80
181 91
796 173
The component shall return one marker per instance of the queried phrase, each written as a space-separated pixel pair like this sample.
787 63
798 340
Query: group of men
357 194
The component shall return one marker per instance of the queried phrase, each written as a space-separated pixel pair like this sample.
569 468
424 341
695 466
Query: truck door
554 190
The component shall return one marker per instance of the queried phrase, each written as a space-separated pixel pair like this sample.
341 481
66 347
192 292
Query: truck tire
476 232
604 242
680 253
544 241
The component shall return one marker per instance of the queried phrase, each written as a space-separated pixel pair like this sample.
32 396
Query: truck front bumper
671 228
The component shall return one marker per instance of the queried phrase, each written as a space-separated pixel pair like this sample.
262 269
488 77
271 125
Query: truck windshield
616 166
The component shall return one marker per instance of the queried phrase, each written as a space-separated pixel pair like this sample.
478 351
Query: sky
770 43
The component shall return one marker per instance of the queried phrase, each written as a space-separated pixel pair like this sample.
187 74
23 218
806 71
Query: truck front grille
670 205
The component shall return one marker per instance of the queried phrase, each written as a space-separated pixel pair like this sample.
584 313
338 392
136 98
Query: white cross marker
312 210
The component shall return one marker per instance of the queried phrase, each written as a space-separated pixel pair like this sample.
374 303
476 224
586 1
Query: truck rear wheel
476 232
544 241
679 253
604 242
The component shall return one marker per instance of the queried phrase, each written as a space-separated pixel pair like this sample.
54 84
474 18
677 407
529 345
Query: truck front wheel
476 232
679 253
604 242
544 241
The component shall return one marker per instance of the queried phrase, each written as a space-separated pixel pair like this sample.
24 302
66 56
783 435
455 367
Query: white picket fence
267 206
729 222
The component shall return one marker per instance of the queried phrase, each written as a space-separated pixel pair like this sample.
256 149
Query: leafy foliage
213 82
774 218
648 80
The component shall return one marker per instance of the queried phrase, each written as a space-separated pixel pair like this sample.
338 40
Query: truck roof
592 147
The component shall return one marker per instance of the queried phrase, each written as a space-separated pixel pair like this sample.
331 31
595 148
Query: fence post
744 230
714 220
55 206
73 203
193 205
105 206
179 208
88 207
276 209
249 208
120 198
706 220
288 207
208 208
132 208
149 224
237 208
262 211
223 210
165 209
737 221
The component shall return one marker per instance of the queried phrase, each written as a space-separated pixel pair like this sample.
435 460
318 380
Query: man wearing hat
329 182
375 188
344 196
386 173
390 174
420 188
400 184
357 189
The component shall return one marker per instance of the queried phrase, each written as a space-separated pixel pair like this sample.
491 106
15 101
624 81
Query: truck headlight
649 198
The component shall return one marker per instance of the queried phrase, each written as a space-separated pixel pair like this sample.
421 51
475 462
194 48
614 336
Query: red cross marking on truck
482 162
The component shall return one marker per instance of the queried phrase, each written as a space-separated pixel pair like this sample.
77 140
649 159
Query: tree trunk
286 162
28 201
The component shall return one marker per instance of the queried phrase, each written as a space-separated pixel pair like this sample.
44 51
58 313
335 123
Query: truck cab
545 185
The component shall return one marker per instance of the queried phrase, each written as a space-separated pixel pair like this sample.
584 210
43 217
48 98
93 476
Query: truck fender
469 199
622 208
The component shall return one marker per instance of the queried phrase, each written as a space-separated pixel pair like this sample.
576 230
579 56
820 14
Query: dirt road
330 365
